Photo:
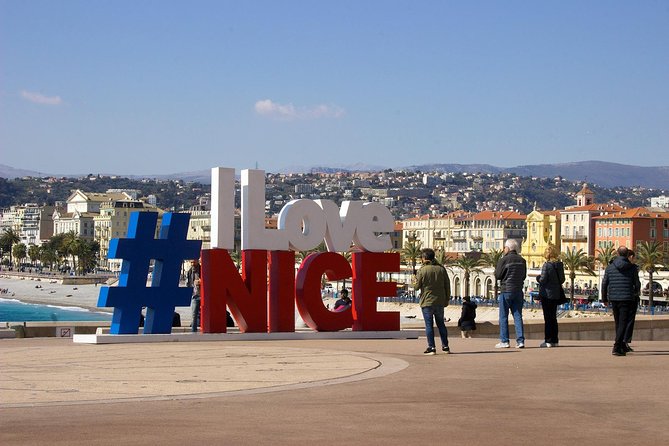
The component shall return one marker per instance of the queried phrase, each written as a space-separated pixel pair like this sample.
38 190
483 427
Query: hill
602 173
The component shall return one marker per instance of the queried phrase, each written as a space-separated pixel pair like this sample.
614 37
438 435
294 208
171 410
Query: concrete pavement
331 392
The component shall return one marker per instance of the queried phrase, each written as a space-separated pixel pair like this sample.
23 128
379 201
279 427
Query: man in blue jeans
435 292
511 271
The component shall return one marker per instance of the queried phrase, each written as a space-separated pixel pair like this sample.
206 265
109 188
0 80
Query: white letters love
303 224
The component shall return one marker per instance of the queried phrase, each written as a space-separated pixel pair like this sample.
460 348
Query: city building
660 202
82 208
112 222
630 227
576 224
31 222
488 230
543 229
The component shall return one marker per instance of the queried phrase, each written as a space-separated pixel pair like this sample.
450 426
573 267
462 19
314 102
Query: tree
411 252
236 257
468 264
48 255
20 252
7 241
34 253
87 253
649 257
69 245
441 257
491 259
349 258
604 257
576 261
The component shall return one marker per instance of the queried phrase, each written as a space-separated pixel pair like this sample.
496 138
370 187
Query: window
652 222
652 233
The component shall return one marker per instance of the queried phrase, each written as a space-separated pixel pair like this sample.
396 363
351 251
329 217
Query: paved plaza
331 392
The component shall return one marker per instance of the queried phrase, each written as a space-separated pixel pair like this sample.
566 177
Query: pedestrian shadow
649 353
484 352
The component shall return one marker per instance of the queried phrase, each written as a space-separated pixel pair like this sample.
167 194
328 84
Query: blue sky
153 87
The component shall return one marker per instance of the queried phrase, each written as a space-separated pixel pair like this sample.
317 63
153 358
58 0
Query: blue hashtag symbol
137 250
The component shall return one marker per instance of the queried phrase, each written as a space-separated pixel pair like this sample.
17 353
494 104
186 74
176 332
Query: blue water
15 311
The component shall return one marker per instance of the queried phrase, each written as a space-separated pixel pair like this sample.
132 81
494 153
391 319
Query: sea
12 310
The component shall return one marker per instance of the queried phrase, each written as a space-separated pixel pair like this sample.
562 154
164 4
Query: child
466 322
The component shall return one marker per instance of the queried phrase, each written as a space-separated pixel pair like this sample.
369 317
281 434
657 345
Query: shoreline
36 290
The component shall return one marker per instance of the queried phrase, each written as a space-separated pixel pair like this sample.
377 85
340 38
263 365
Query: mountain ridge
601 173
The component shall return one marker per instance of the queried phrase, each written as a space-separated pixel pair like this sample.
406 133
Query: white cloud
38 98
289 112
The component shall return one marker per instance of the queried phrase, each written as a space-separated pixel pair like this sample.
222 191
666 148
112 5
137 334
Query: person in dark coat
619 286
467 321
550 287
629 330
511 271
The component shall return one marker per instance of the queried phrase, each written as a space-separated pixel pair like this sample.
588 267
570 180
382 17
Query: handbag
563 297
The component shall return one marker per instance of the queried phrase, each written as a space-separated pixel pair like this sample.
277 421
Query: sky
160 87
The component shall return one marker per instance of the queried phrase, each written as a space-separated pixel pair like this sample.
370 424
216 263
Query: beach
47 291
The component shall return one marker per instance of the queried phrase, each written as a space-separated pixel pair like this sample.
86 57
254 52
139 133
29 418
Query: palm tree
649 256
68 246
20 252
48 255
441 257
34 253
491 259
236 257
468 264
349 257
576 261
604 257
7 240
87 253
411 252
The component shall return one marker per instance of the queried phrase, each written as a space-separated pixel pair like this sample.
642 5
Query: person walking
620 286
550 291
511 271
193 280
435 292
629 330
467 321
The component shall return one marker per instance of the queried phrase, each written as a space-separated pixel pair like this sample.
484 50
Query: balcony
578 237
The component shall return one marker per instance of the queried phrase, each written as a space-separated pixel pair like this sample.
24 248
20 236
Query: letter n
245 295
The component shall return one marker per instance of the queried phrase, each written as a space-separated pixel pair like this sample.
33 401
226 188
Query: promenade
327 392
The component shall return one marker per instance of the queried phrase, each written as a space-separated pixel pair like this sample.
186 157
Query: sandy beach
47 291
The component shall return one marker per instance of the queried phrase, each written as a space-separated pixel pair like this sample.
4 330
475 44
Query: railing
574 238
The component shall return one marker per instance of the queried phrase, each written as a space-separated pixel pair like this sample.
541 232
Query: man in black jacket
511 271
619 286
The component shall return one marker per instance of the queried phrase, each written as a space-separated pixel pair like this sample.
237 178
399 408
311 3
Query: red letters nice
264 296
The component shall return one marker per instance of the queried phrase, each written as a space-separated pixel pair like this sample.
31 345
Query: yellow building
112 222
543 228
